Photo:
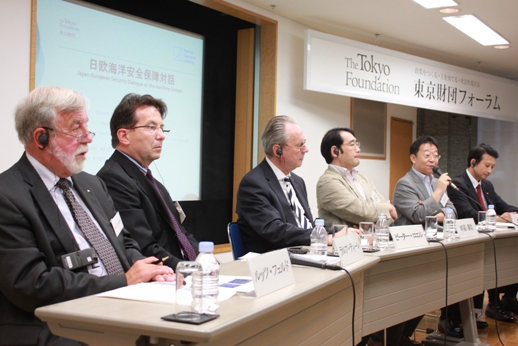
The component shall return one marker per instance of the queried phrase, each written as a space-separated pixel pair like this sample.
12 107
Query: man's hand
144 271
344 231
392 210
505 217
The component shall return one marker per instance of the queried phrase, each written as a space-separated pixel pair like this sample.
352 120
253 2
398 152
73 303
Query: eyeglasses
428 156
297 147
150 128
79 138
353 144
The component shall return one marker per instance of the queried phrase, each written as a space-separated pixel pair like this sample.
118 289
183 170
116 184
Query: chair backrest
236 241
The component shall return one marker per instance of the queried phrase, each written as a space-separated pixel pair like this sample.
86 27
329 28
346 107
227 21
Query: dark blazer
142 209
264 214
33 237
469 207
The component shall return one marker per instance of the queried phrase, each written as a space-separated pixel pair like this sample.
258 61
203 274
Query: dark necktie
186 246
297 209
93 235
480 197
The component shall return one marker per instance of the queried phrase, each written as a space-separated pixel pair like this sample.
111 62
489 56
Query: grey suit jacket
413 202
33 237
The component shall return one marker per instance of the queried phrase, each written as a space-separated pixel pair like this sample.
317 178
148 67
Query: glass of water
482 221
430 227
367 238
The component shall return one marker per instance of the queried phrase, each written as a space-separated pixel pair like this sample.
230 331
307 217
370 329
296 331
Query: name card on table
271 271
466 228
349 248
408 236
514 219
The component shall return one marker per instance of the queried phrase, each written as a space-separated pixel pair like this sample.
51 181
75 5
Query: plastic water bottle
382 232
205 287
449 225
319 241
491 218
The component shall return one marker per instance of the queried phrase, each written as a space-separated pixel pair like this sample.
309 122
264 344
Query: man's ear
413 158
122 135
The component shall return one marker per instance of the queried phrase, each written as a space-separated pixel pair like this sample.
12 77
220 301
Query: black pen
160 260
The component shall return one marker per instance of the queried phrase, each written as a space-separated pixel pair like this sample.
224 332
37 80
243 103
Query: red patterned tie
186 246
480 198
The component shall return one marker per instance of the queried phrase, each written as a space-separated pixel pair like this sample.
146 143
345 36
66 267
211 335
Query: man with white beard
53 214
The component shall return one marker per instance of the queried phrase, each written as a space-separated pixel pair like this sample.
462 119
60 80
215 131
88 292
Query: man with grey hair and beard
51 212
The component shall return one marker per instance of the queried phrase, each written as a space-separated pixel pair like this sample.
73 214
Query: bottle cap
449 211
319 222
206 246
382 216
491 206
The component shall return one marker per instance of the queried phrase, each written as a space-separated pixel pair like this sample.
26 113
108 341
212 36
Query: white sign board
349 248
340 66
466 228
271 271
408 236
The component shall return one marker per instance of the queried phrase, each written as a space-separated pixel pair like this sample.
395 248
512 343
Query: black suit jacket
142 210
264 214
469 207
33 237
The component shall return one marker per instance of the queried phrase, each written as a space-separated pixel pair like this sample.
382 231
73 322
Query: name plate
408 236
466 228
349 248
271 271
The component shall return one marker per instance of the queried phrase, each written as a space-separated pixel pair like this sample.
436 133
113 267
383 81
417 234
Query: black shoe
510 304
482 325
498 312
450 329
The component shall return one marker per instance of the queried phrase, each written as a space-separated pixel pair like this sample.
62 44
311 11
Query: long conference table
391 286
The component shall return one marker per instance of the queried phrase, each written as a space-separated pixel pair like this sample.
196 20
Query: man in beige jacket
345 196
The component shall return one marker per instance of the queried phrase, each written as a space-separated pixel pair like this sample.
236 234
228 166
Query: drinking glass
430 227
185 272
482 221
367 238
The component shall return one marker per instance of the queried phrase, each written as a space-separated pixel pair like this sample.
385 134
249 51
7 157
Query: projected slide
105 56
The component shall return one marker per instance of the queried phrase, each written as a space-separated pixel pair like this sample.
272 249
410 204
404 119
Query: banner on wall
340 66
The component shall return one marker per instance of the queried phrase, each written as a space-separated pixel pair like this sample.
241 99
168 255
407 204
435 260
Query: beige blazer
339 201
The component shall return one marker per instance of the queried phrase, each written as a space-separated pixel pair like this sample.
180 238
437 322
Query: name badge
271 271
444 199
466 228
408 236
180 211
349 248
117 224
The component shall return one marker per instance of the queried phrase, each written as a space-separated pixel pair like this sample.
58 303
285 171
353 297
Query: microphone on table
438 171
304 261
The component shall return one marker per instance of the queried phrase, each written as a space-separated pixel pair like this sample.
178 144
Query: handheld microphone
303 261
438 171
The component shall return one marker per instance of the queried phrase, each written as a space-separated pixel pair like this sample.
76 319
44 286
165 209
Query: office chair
236 241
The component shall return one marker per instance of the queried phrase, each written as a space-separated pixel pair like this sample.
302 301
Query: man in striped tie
60 236
272 205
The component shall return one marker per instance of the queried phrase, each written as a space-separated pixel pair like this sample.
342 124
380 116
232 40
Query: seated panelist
60 236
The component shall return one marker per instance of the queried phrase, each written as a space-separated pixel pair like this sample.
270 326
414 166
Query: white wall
501 135
15 26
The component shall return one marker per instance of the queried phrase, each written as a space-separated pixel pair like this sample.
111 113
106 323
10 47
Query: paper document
164 292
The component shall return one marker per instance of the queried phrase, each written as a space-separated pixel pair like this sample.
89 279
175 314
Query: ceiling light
505 46
474 28
436 3
449 10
